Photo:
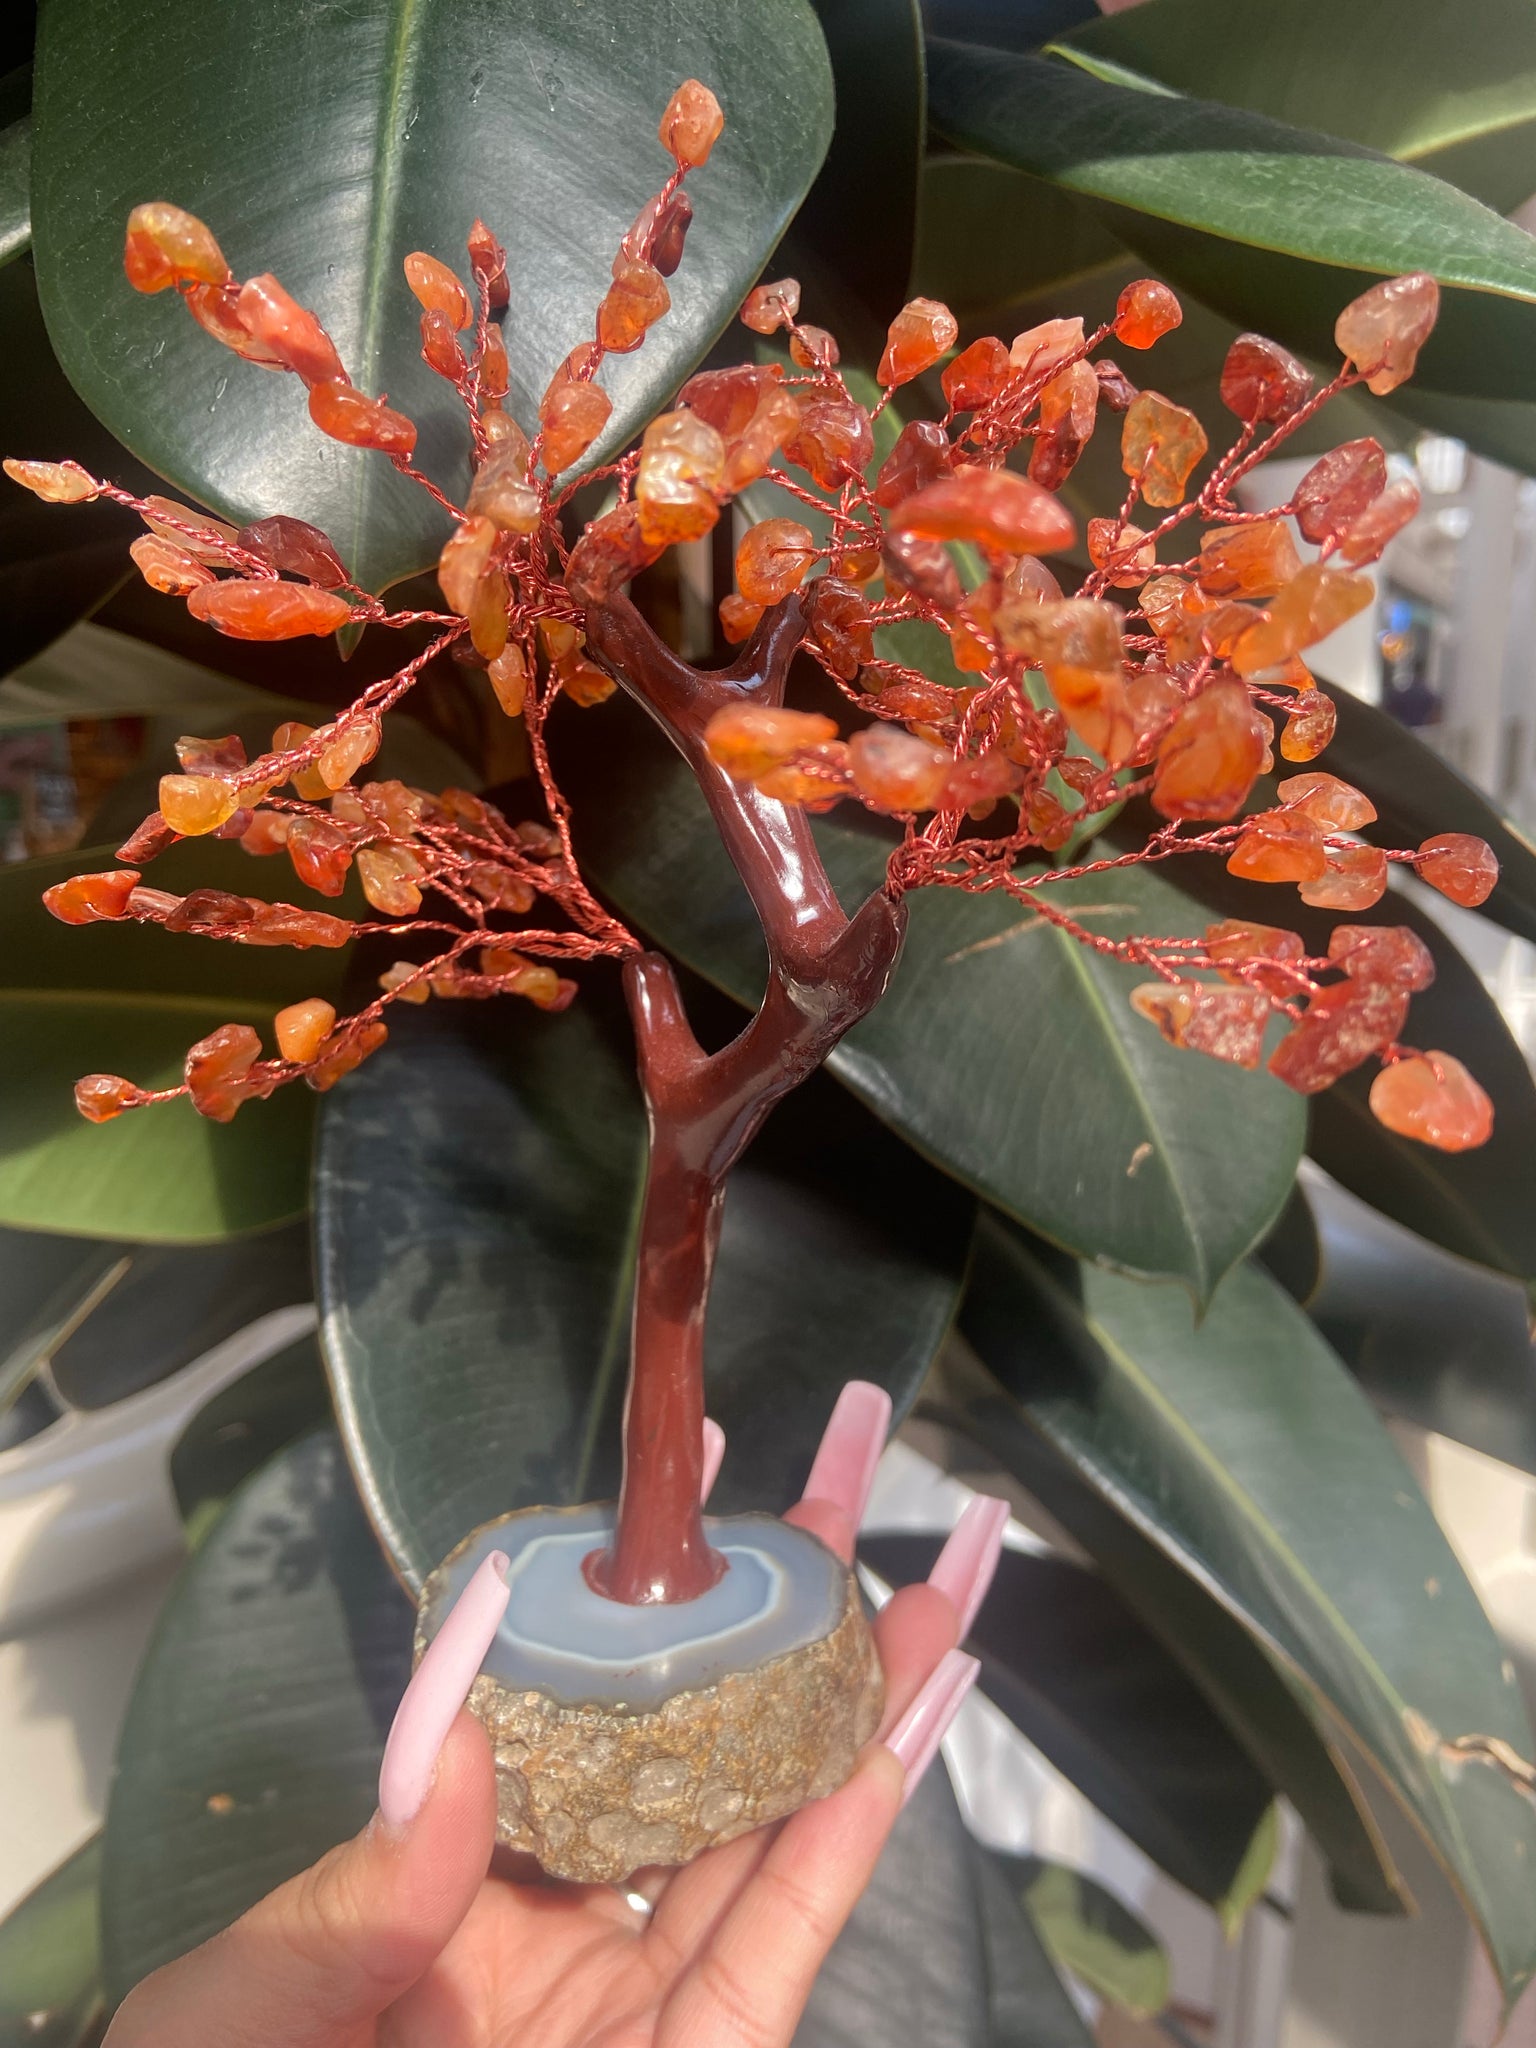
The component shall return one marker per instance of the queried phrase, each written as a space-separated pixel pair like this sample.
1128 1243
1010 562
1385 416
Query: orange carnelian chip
571 416
1160 444
1279 846
1211 755
437 290
921 332
166 246
1336 805
1460 866
747 740
1254 560
691 124
1383 330
997 507
773 559
1356 878
1144 312
302 1027
1433 1098
896 771
87 899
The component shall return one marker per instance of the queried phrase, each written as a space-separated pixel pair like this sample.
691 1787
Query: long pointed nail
915 1739
437 1691
714 1451
964 1567
844 1470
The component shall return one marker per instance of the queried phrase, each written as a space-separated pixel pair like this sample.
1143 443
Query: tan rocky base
596 1791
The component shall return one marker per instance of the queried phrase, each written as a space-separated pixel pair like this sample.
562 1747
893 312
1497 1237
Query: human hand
404 1938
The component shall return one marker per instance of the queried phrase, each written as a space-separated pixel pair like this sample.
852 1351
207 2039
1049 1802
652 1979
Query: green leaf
1243 1449
15 188
49 1285
94 673
1503 429
1088 1931
163 1174
1002 1049
544 122
50 1988
1451 90
1071 1665
1030 2005
1274 227
252 1745
861 213
988 237
244 1428
493 1142
1292 1252
1417 792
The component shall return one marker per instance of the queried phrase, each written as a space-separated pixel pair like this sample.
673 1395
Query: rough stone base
595 1792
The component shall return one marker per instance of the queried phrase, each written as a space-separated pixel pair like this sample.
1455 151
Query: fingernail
844 1470
437 1691
964 1567
714 1451
915 1739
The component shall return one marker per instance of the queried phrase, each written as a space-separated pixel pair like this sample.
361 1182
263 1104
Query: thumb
319 1958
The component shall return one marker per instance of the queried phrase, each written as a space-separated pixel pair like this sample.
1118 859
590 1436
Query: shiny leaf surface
467 107
1243 1449
1088 1931
1002 1048
478 1188
50 1964
1273 226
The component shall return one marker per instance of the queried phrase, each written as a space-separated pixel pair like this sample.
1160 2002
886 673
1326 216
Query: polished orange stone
1123 550
344 1051
321 854
216 309
672 225
923 566
502 493
1431 1096
813 348
839 620
919 456
832 440
746 740
488 262
1383 330
1028 578
1144 312
389 875
768 307
1254 560
1356 878
978 375
57 483
921 332
1224 1023
1309 727
266 833
355 744
1211 755
465 558
166 246
571 416
631 306
815 781
691 125
748 455
773 559
1039 352
896 771
284 924
1154 699
166 567
100 1097
215 1068
739 620
88 899
268 611
584 682
1312 605
1279 846
996 507
307 781
495 370
1160 444
288 331
1460 866
1115 388
609 553
302 1028
1244 951
437 289
1337 806
1339 487
729 398
1388 955
1168 602
918 701
1262 381
196 804
1342 1027
349 415
1365 537
1068 407
509 679
198 532
489 614
398 981
979 780
682 462
494 885
439 347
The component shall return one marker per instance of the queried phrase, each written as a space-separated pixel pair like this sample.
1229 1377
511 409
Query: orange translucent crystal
389 875
100 1097
832 440
437 289
1224 1023
1068 407
1077 644
921 332
1383 330
301 1029
920 455
571 416
166 567
1309 727
1160 444
195 804
1338 488
1364 538
773 559
631 306
682 461
1431 1096
997 507
1343 1025
88 899
747 740
1356 878
1123 550
691 125
1039 352
1260 380
1241 950
1255 560
1211 755
288 331
768 307
1279 846
268 611
1311 606
215 1068
897 771
166 246
977 376
1337 806
349 415
1145 312
57 483
344 1052
1460 866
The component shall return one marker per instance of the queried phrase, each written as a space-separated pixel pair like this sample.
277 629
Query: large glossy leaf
1476 1204
163 1174
48 1287
50 1988
1417 792
1090 1932
1004 1052
1273 226
1071 1665
244 1428
478 1193
1268 1714
1030 2005
253 1739
1244 1450
1452 90
94 673
15 187
325 145
988 236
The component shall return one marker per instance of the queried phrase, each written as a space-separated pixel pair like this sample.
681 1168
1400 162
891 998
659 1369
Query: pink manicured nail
844 1470
964 1567
714 1451
437 1691
915 1739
